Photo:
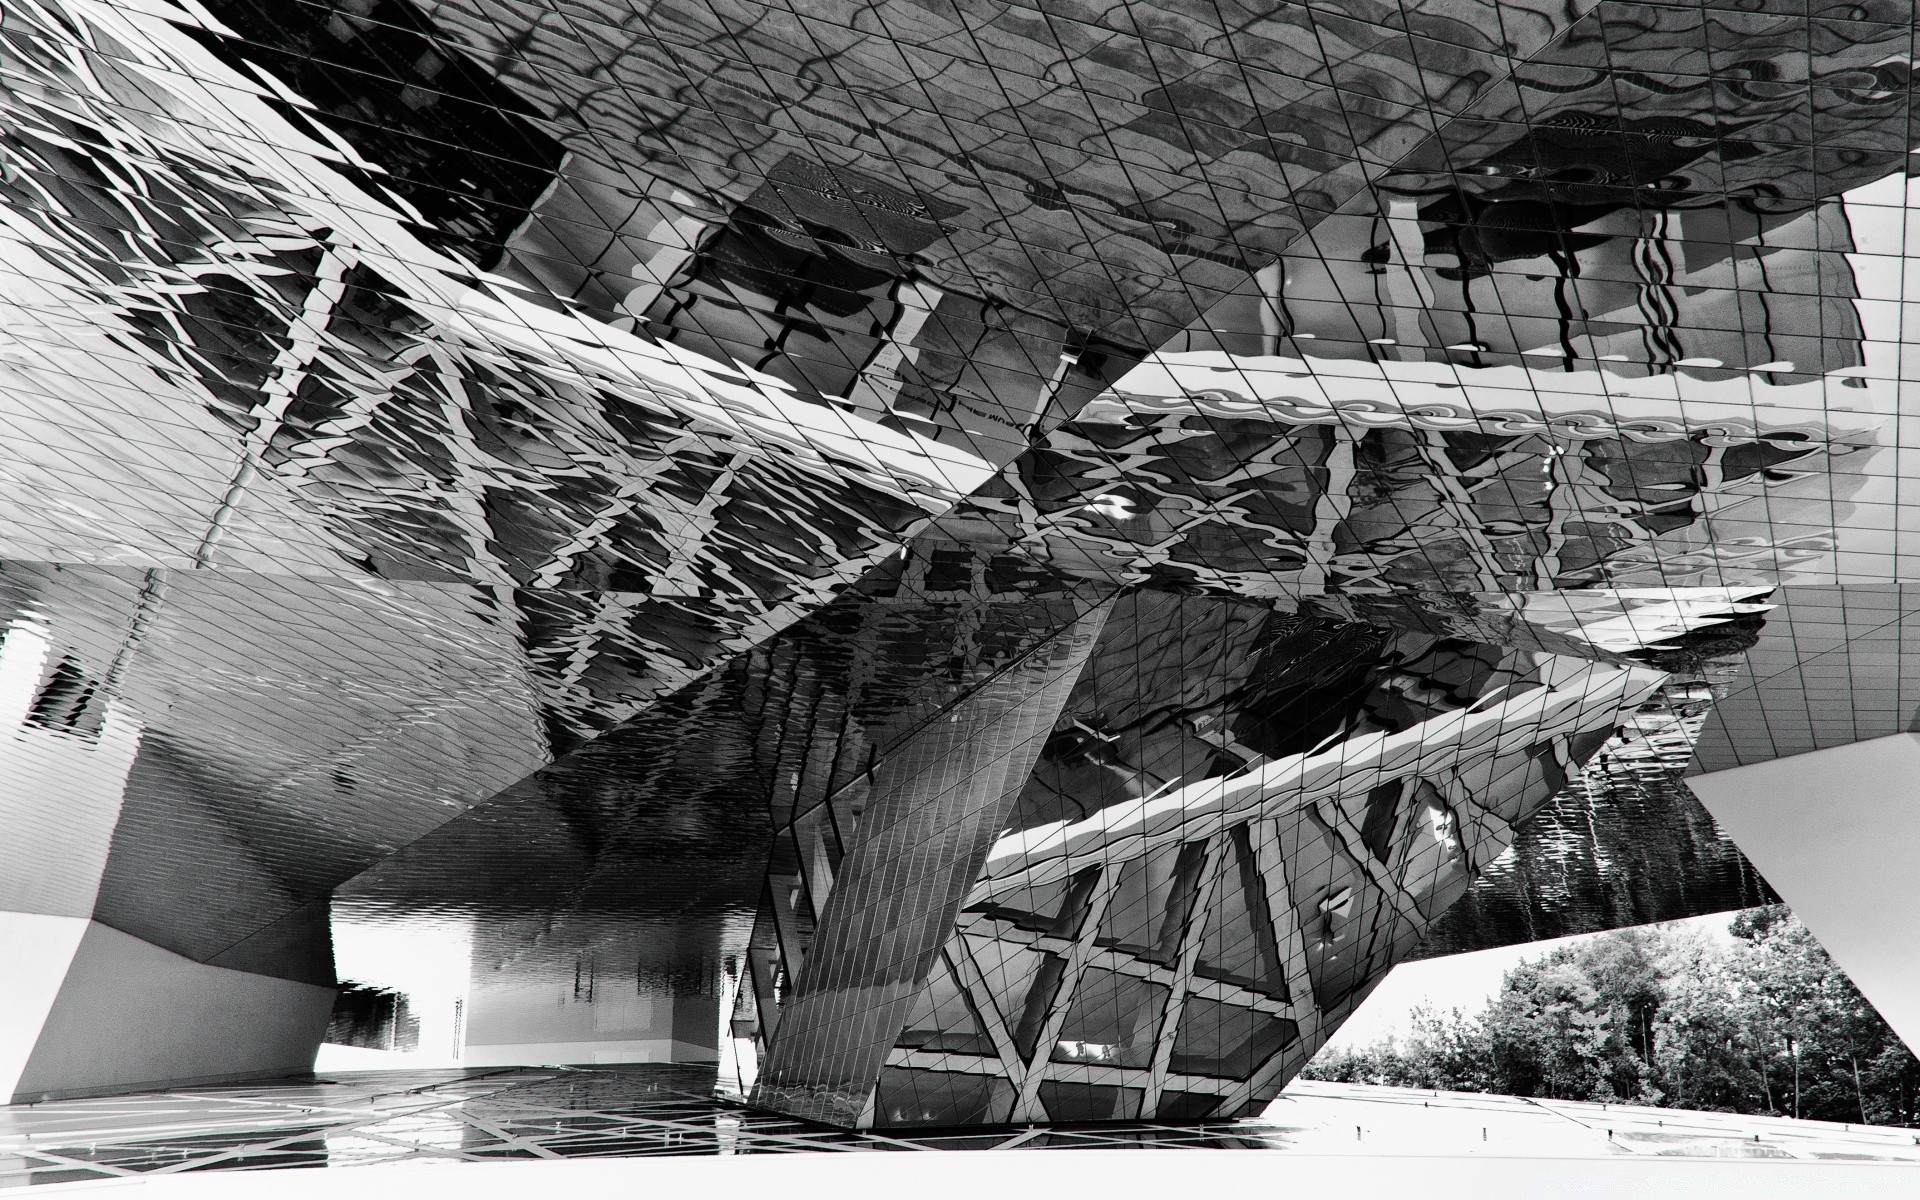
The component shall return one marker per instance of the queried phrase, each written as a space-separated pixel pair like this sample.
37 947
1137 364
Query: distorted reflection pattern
973 563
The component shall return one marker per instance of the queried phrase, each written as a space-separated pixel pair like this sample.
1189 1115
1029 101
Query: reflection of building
977 565
1189 959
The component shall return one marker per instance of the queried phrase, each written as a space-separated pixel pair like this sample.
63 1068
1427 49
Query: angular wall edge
130 1016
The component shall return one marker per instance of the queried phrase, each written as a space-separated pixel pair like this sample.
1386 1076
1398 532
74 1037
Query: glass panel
1334 904
1114 1020
1039 1003
1009 972
1185 1106
1054 908
1151 901
1225 1040
1238 945
911 1097
1383 813
1433 861
1090 1102
942 1019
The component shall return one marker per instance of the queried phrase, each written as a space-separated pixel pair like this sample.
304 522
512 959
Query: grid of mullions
1522 181
1188 969
656 329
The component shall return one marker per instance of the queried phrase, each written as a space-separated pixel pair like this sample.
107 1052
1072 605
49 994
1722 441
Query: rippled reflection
997 563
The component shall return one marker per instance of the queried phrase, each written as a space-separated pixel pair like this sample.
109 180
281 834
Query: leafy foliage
1663 1017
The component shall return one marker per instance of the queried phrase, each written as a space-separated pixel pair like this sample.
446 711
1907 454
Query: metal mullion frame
493 1130
1457 496
1027 1105
786 930
1185 961
62 1162
1105 957
787 674
1271 863
946 1062
1333 505
1231 993
1272 1072
981 925
1122 963
357 1129
664 1123
1528 710
1306 1010
360 1127
979 997
1096 1073
1329 810
1460 797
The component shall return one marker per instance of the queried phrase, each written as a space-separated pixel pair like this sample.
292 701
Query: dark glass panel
1227 1041
943 1019
1114 1021
1185 1106
1238 944
1089 1102
912 1097
1152 900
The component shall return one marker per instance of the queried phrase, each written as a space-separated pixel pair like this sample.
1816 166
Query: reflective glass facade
972 562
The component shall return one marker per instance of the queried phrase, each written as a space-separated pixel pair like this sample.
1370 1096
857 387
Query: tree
1447 1052
1579 1024
1653 1016
1781 975
1704 1042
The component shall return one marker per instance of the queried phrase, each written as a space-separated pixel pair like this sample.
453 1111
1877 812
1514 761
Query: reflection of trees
1643 850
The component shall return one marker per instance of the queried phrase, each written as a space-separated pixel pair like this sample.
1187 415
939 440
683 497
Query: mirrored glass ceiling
654 485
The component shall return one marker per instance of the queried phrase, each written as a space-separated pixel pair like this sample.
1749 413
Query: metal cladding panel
938 800
1095 167
616 479
1181 952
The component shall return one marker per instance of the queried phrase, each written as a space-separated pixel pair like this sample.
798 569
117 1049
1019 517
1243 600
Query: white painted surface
426 959
63 791
1109 1174
1837 834
543 1054
35 951
131 1014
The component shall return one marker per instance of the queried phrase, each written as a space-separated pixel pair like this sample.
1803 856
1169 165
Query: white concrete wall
1837 834
35 952
130 1015
541 1021
62 793
583 1053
